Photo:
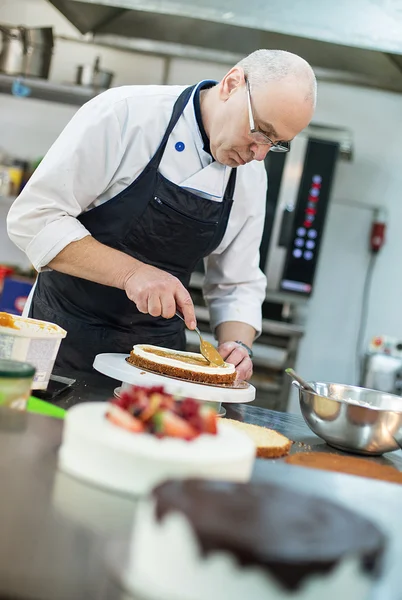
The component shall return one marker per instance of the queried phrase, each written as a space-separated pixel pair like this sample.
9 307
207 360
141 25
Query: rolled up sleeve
75 171
234 286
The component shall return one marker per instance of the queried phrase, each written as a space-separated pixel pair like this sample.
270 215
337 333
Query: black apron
156 222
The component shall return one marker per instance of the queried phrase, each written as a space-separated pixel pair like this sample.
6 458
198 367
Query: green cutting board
41 407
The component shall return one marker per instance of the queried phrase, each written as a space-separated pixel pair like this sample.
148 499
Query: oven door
299 185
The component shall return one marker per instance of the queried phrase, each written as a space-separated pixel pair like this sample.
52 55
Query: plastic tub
31 341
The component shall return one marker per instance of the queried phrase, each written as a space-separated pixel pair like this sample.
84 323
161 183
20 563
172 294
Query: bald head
266 99
269 66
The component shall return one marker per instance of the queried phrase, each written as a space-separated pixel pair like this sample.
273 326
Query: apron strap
230 188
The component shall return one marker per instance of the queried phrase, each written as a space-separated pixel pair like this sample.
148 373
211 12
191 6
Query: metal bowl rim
352 387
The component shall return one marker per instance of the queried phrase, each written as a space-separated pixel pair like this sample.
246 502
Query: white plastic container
32 341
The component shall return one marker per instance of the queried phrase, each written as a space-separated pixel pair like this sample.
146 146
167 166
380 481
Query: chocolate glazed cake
275 544
274 528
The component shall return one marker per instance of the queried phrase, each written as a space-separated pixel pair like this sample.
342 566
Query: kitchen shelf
269 327
42 89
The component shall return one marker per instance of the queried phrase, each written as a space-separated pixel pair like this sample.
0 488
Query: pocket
170 239
168 208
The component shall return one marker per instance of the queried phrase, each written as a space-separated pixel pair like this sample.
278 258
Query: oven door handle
285 230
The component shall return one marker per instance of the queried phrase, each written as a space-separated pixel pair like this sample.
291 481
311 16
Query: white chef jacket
103 149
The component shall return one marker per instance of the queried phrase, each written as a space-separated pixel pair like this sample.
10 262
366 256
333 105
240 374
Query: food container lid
15 369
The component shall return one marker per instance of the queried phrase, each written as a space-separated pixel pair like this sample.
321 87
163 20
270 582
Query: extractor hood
353 41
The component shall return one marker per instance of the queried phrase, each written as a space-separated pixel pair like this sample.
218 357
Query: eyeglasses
258 136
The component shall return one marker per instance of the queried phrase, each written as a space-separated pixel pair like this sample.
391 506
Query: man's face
279 110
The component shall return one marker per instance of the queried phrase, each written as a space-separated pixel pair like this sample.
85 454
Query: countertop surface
60 538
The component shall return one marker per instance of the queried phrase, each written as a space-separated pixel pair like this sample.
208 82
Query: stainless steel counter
57 534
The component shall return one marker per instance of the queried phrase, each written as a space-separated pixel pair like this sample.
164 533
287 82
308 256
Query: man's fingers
154 305
186 307
249 372
226 348
159 293
237 356
168 305
142 304
244 370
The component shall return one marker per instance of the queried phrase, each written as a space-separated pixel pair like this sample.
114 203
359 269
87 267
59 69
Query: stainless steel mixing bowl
353 419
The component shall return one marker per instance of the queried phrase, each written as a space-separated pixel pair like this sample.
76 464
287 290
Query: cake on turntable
182 365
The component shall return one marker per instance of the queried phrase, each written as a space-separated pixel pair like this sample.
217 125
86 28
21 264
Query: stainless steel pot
12 51
38 52
93 76
26 51
354 419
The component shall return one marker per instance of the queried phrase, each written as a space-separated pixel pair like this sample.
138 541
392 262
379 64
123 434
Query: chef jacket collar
211 180
204 85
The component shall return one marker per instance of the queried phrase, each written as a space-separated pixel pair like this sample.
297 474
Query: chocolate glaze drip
291 535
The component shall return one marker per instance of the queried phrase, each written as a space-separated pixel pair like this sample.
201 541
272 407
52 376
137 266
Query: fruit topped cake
184 365
131 444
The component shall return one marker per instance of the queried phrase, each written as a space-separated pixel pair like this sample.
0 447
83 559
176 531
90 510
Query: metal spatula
300 380
209 352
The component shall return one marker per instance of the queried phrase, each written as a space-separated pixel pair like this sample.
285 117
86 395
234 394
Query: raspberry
188 408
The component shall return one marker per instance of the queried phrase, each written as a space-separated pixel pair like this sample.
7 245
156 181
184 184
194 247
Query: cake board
115 366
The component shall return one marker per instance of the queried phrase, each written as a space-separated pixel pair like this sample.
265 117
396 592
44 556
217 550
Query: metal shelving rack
42 89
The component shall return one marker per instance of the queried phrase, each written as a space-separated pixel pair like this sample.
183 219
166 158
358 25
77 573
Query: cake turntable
115 366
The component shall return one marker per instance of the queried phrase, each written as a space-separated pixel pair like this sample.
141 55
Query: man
143 183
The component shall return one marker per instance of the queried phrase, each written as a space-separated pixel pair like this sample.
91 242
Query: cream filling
138 350
157 548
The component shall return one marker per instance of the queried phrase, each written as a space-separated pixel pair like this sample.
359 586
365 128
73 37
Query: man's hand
152 290
160 294
232 352
238 356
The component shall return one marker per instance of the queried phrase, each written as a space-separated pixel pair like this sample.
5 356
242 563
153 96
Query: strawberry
167 423
121 417
208 420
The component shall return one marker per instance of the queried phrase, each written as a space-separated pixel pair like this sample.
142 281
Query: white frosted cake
131 451
184 365
205 540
